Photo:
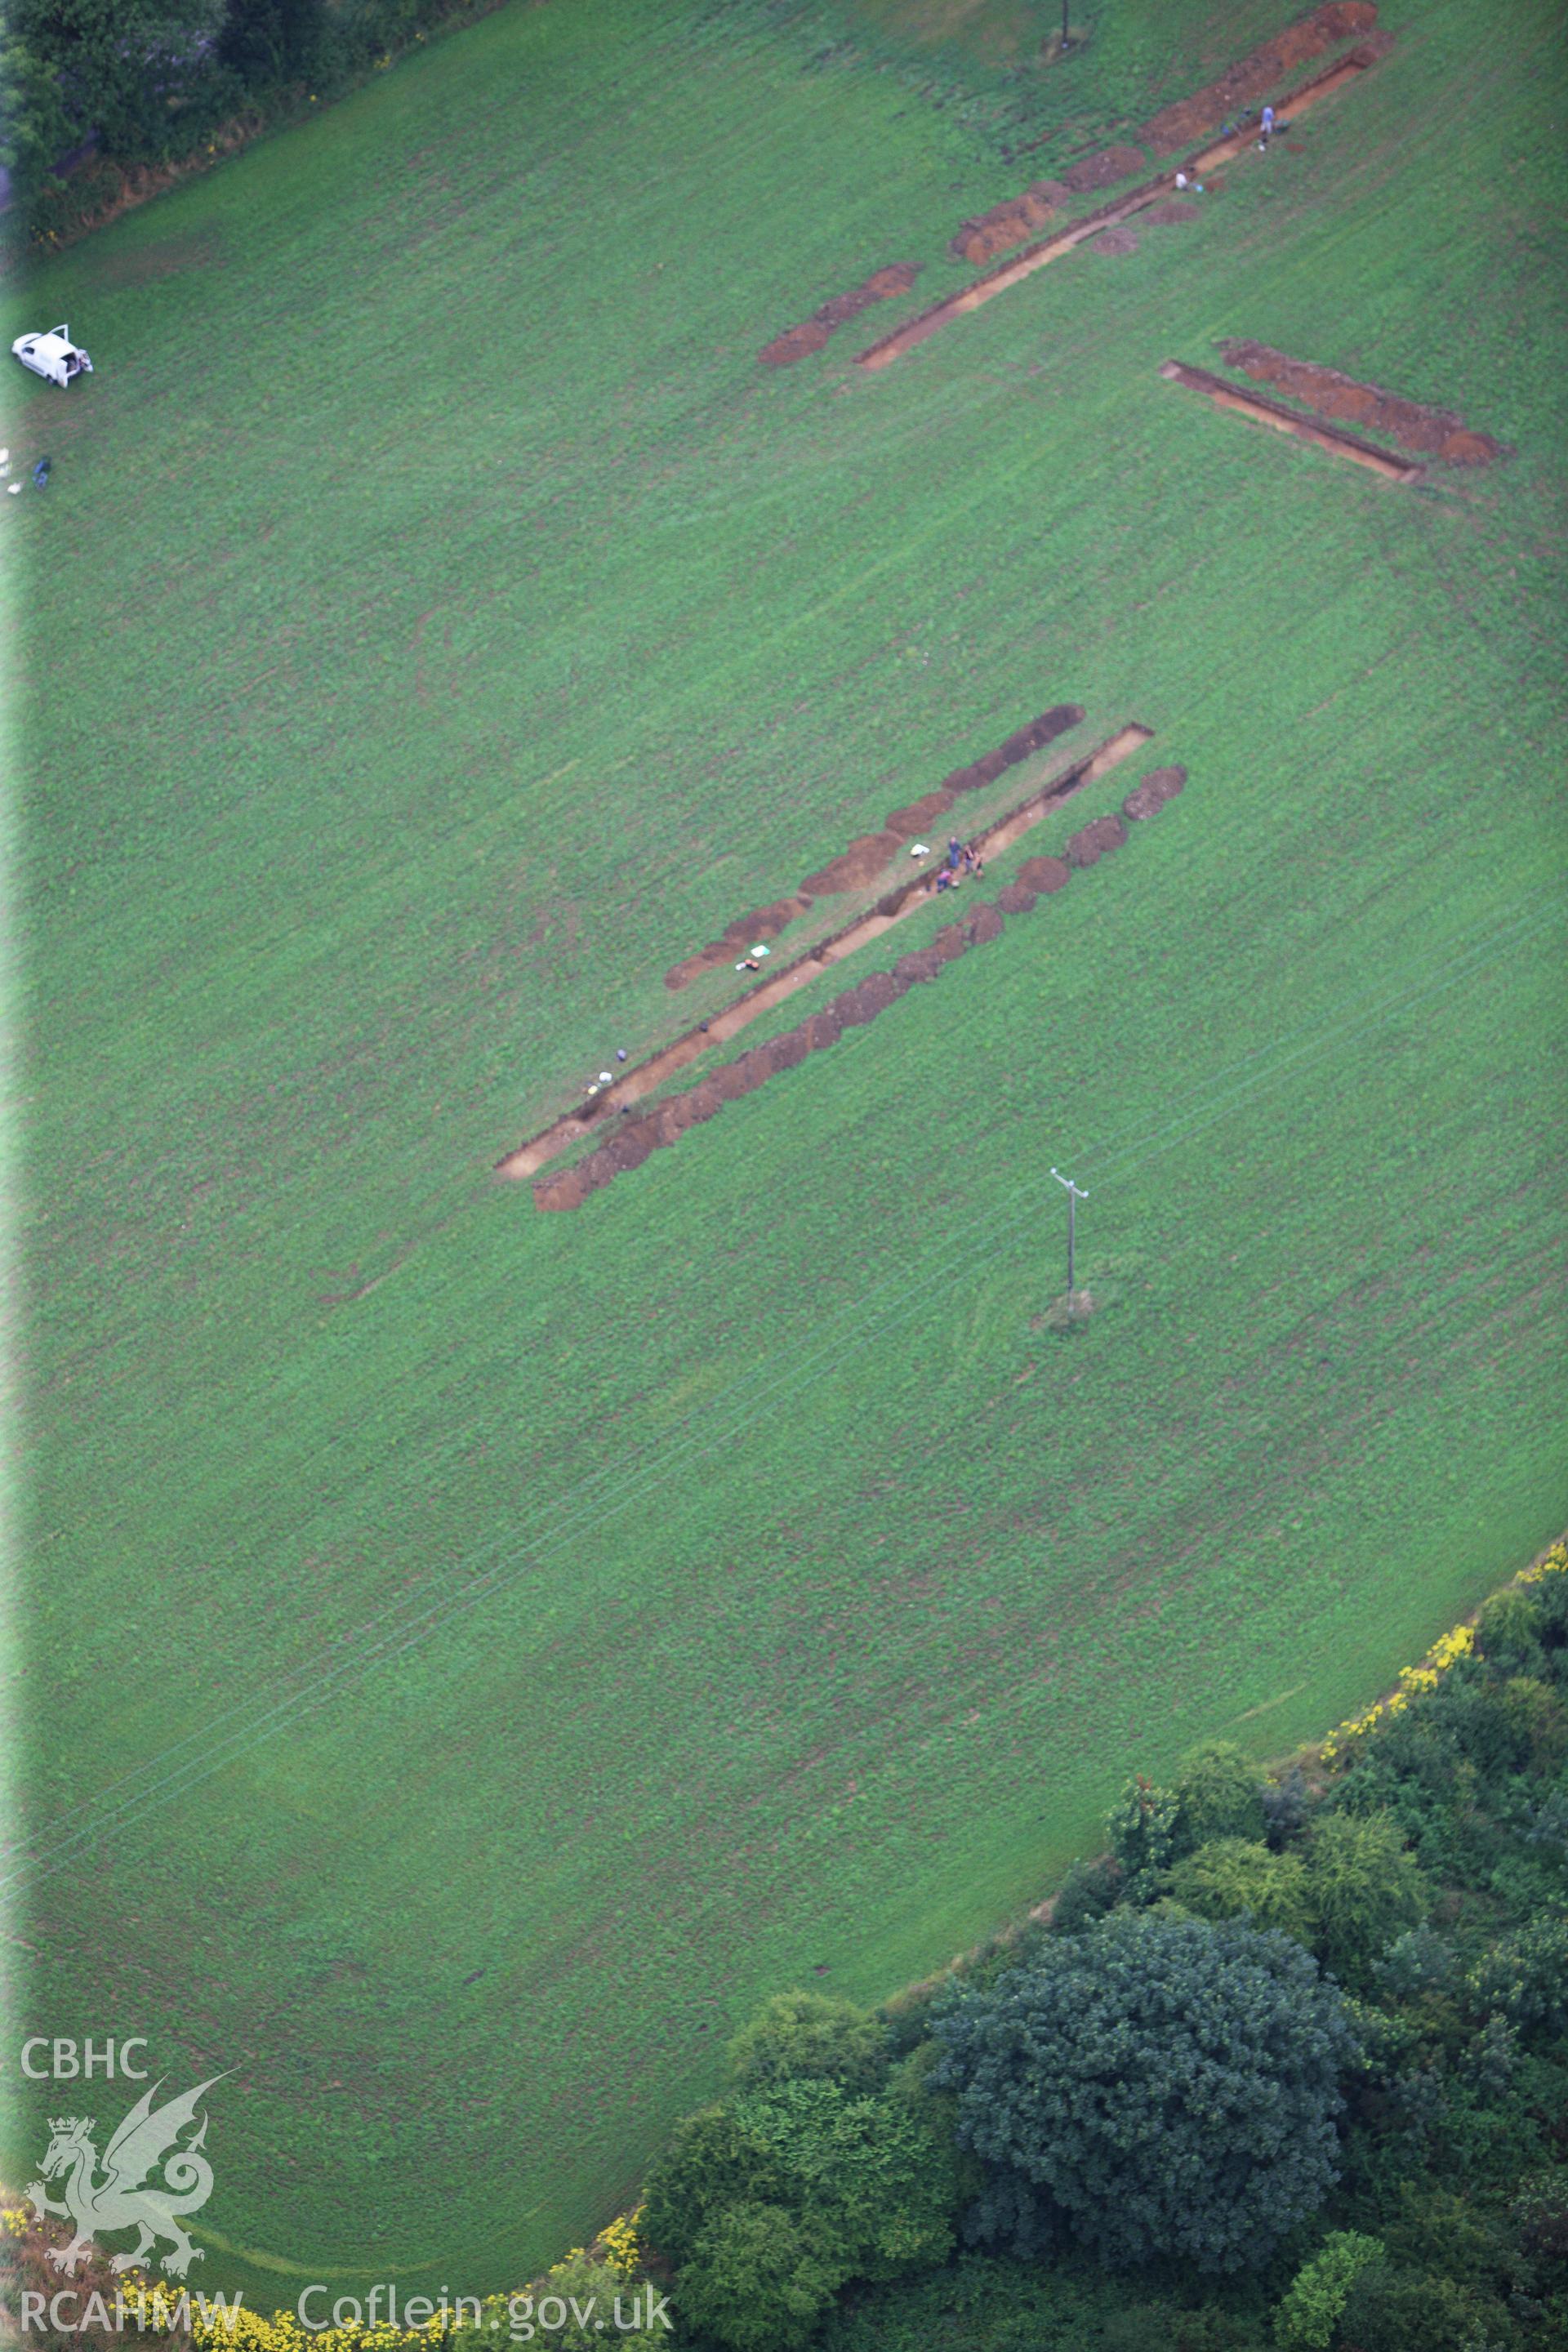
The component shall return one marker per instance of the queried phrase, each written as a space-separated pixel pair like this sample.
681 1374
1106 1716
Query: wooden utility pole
1074 1197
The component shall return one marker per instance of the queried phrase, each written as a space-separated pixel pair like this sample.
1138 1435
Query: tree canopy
1166 2086
1231 1875
1365 1888
804 2183
798 2035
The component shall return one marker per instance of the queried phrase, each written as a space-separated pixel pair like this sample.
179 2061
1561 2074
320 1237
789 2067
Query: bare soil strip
1207 111
1244 84
1022 264
646 1077
813 332
632 1139
865 857
1008 224
1433 432
1287 420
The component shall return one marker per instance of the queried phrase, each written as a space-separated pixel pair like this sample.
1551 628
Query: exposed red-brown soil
1433 432
762 923
812 334
638 1136
1150 795
1106 833
1043 874
1001 275
856 868
794 343
921 963
767 922
607 1107
1021 746
1116 240
920 814
1104 170
1006 224
1243 85
1166 215
863 861
1264 411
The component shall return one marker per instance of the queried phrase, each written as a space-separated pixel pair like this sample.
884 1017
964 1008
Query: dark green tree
1167 2087
1524 1977
1391 2310
270 41
1089 1891
36 128
118 64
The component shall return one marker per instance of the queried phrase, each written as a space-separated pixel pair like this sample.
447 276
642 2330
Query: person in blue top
1268 126
41 474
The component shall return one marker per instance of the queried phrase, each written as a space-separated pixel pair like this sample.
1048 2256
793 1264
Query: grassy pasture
437 625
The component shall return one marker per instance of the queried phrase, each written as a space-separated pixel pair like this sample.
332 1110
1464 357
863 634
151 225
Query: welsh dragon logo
122 2197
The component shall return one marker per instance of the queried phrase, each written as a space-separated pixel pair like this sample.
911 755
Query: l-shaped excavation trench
1050 248
1264 411
646 1077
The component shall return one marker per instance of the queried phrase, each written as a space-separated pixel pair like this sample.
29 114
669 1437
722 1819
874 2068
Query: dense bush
1218 1795
1365 1888
802 2185
1089 1891
756 2280
1143 1831
1310 2312
267 42
1232 1876
1166 2086
1524 1977
1390 2310
804 2034
118 68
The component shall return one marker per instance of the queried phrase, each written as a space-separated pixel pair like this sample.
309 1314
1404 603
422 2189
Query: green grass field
474 1656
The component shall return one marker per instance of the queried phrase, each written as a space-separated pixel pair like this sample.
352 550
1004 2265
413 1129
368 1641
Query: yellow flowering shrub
619 2245
1444 1653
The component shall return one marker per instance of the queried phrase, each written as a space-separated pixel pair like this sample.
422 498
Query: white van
53 355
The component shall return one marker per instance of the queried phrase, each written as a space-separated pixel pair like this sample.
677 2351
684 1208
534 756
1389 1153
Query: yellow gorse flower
620 2243
1446 1652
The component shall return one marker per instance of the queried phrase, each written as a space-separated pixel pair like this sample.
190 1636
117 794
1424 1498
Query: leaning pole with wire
1074 1197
